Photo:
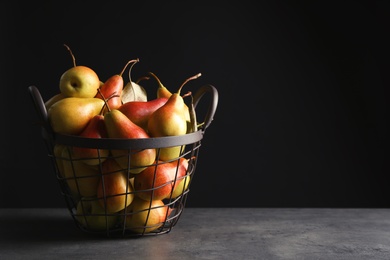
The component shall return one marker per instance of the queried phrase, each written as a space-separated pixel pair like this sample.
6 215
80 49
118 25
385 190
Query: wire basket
106 194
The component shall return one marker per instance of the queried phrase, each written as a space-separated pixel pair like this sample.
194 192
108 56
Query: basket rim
122 143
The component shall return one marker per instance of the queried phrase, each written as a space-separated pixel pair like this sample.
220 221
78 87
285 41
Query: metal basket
95 213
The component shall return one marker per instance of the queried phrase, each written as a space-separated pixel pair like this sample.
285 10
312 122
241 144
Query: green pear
170 120
71 115
118 125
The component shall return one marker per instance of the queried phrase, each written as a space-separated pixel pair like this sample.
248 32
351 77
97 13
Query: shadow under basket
107 194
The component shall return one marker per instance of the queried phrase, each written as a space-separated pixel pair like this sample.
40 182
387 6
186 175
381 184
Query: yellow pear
82 179
170 120
53 100
71 115
146 216
91 215
181 187
79 81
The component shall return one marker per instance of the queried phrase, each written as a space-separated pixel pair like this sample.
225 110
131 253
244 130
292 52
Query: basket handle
40 108
213 103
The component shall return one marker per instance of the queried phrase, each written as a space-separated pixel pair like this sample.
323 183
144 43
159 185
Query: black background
302 118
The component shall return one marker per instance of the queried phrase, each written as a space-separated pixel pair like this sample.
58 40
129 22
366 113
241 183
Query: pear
118 125
114 191
162 91
111 89
170 120
140 111
81 178
146 216
72 114
94 129
79 81
53 100
158 181
91 215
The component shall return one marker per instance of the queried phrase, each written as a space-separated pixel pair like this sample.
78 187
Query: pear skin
111 90
140 111
169 120
118 125
79 81
92 216
81 178
162 91
114 191
94 129
53 100
158 181
145 216
71 115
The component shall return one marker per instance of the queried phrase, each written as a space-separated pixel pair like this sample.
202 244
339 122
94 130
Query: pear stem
154 76
124 68
142 78
190 78
71 53
189 93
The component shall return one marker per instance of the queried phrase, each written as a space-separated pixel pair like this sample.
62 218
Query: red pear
94 129
118 125
111 89
140 111
114 191
158 181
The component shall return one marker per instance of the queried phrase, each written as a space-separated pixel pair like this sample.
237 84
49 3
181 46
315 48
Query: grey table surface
206 233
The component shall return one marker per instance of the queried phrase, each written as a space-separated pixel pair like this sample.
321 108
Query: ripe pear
79 81
170 120
158 181
57 153
179 189
71 115
118 125
94 129
140 111
111 90
81 178
92 216
53 100
162 91
144 216
114 191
